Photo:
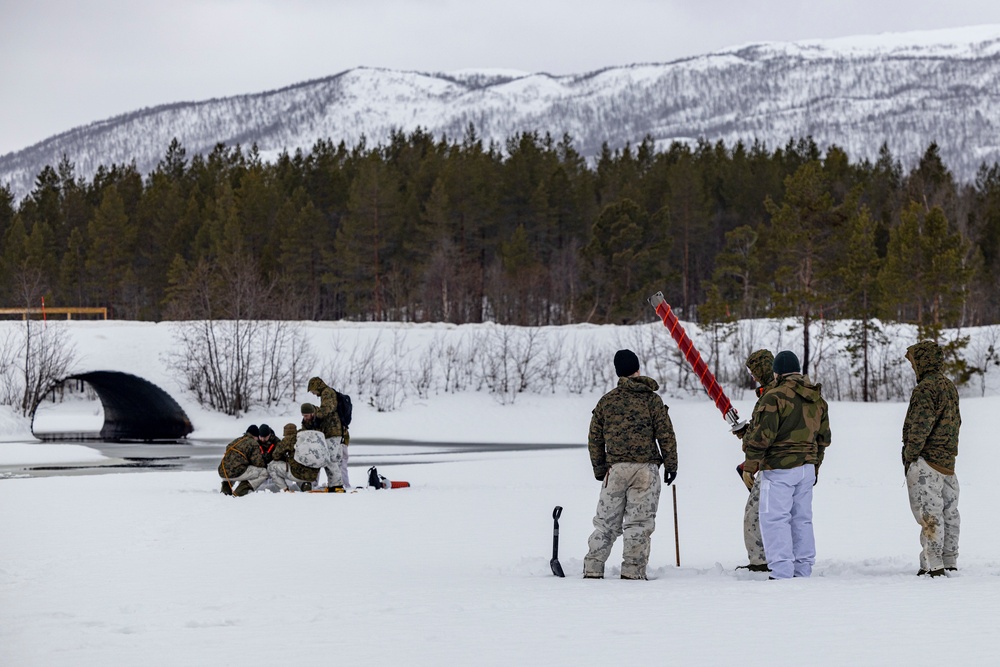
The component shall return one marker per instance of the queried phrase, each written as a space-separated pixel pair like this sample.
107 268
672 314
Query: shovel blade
556 567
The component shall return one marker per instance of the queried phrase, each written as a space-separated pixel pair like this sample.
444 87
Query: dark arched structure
135 408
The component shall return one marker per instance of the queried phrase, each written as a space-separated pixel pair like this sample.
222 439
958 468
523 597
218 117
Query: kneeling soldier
284 468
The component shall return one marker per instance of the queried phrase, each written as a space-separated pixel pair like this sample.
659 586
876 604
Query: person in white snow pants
786 521
788 437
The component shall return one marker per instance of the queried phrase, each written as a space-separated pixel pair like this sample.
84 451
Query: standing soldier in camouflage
930 445
243 462
335 432
284 469
626 426
760 366
334 450
788 437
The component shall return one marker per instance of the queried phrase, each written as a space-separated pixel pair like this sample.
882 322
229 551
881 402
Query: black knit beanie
626 363
265 431
252 430
786 362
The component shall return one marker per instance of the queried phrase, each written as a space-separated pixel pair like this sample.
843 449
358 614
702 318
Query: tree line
528 232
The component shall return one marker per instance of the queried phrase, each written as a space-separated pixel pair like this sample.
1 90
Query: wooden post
677 539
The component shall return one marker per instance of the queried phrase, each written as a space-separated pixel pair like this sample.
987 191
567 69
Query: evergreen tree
111 240
362 247
797 236
621 263
858 282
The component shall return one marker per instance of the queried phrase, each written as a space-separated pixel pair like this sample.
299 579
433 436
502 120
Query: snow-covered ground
160 569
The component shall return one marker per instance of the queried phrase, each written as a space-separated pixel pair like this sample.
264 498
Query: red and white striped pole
698 364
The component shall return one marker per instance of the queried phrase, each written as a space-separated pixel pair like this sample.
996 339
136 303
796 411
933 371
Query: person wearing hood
630 437
336 433
760 365
930 446
786 443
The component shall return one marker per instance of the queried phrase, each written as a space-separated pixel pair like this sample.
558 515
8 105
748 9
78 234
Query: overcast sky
65 63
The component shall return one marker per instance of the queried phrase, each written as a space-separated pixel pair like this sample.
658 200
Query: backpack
344 409
375 480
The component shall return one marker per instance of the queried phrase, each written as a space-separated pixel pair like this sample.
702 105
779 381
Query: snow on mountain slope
904 89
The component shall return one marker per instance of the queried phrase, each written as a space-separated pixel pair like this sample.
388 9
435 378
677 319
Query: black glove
669 476
600 474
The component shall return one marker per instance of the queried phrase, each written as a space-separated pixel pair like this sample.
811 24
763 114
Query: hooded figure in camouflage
930 445
760 366
789 434
626 426
336 433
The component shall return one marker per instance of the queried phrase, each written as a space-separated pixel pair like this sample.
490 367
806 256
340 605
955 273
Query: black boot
227 489
243 489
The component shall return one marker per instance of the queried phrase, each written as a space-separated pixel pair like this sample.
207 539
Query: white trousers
786 520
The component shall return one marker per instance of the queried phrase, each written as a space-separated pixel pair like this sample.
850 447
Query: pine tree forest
527 233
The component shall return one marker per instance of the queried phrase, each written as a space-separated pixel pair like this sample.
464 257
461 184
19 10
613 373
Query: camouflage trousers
934 502
344 455
336 453
627 505
751 526
283 477
254 475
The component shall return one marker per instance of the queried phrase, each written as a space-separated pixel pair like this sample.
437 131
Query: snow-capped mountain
905 89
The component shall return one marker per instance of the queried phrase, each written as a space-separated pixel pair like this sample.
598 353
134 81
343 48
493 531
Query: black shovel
556 567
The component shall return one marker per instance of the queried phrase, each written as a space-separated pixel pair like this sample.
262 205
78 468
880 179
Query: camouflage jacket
761 365
241 453
626 425
932 420
790 426
285 451
327 418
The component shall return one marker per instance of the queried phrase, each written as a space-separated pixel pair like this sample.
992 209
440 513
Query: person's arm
763 429
666 438
595 443
920 419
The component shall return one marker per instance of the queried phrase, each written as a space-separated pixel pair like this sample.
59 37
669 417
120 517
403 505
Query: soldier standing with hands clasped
930 445
626 426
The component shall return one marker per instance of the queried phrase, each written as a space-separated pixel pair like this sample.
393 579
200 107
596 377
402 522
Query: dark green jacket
627 424
933 419
790 426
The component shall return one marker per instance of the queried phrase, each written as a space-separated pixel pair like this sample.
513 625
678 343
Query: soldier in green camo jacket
930 445
759 364
625 428
789 434
284 469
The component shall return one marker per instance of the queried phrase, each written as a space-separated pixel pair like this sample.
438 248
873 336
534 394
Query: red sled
395 485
